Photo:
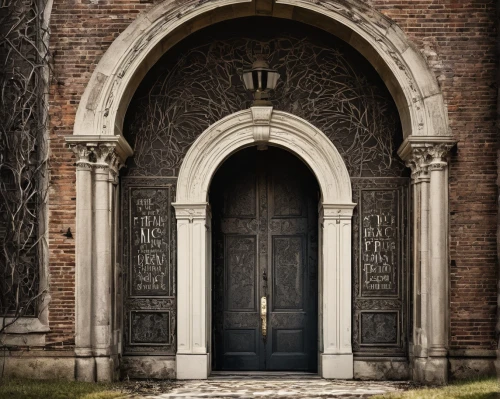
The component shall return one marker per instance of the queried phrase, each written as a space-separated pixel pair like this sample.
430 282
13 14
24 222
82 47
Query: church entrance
265 263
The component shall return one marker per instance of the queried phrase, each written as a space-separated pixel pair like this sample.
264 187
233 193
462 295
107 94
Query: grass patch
57 389
471 389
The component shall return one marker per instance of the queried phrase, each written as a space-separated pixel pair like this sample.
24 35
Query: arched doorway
264 263
101 150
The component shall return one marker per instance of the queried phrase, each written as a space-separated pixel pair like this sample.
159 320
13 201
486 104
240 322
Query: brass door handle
263 316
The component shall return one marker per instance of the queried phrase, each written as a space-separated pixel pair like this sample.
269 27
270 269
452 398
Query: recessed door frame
246 128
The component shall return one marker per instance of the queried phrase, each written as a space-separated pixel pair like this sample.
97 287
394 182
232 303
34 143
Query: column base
337 366
85 369
419 369
192 367
436 371
104 369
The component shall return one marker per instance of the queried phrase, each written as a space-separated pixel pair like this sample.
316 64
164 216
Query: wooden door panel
265 224
288 272
241 273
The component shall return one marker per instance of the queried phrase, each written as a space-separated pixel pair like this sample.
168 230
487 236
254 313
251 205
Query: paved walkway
269 387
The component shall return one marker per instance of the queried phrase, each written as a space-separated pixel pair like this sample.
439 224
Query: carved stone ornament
425 154
261 124
100 153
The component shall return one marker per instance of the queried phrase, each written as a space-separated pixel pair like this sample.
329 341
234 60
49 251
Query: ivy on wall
24 74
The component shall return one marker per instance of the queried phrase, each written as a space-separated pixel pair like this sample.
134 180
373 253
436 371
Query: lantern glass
272 79
248 80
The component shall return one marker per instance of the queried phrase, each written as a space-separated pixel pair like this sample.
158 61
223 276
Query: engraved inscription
288 272
149 249
379 328
150 327
379 228
241 271
380 231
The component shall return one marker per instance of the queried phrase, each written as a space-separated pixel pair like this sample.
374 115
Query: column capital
419 152
100 152
336 211
191 211
424 149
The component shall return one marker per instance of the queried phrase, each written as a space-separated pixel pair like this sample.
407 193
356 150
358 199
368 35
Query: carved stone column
193 287
335 223
427 157
437 365
98 158
420 177
85 364
101 292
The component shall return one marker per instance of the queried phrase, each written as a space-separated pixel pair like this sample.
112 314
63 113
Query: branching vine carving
322 82
24 73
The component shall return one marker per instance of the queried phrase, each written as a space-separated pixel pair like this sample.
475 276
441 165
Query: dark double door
265 267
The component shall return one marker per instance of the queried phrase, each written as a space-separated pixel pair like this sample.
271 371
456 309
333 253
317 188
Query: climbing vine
24 74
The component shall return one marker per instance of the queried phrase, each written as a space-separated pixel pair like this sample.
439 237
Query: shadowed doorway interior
265 263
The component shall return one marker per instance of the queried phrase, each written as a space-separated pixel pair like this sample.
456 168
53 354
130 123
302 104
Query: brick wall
457 37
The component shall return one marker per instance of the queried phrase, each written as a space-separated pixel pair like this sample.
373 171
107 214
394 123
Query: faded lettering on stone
149 241
379 248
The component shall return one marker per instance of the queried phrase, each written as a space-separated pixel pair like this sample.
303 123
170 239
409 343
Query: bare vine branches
24 63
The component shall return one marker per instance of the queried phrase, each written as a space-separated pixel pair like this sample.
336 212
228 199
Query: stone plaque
379 243
380 275
149 241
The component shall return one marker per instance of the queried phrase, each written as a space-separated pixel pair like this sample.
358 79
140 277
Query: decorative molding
288 131
437 166
100 152
261 124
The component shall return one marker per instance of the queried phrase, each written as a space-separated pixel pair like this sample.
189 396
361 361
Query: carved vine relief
322 80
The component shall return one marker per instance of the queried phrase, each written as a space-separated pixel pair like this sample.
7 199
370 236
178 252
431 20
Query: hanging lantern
259 80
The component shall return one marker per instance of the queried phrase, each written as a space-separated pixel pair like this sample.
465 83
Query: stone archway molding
412 84
262 126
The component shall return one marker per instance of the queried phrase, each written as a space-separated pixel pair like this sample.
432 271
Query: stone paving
277 387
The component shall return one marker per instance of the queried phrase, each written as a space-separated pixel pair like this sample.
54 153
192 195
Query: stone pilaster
193 287
336 358
98 163
437 363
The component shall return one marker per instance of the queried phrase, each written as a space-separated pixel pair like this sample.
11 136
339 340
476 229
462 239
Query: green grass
472 389
34 389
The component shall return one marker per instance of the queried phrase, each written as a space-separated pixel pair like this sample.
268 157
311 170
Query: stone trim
236 131
194 263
